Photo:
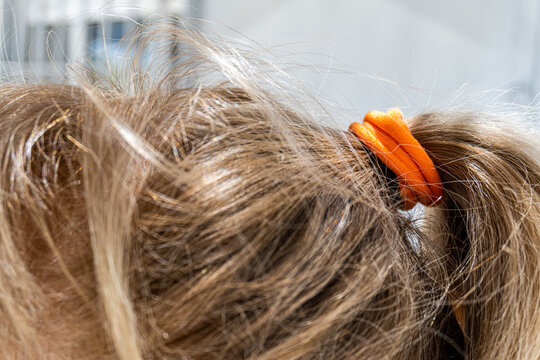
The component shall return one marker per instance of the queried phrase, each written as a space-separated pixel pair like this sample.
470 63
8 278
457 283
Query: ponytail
487 231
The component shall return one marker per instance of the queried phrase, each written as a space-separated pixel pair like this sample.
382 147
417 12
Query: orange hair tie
387 135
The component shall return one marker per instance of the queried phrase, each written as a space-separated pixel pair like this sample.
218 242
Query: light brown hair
201 215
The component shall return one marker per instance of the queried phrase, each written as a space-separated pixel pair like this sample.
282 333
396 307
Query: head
187 218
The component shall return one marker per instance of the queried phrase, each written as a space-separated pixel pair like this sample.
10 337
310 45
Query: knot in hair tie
388 137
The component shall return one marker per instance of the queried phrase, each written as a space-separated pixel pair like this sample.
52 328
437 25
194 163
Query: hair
201 213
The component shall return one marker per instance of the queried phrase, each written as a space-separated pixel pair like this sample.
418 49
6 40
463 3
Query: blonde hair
197 214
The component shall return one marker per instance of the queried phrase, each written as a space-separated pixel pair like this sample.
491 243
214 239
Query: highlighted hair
193 216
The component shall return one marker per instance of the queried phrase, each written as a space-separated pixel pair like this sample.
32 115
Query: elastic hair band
388 137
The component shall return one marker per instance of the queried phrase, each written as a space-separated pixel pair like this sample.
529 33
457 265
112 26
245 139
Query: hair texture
195 209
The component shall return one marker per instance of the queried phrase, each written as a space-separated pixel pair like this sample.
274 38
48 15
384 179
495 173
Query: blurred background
416 54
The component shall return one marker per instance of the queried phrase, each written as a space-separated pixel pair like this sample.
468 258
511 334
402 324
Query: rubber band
387 135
